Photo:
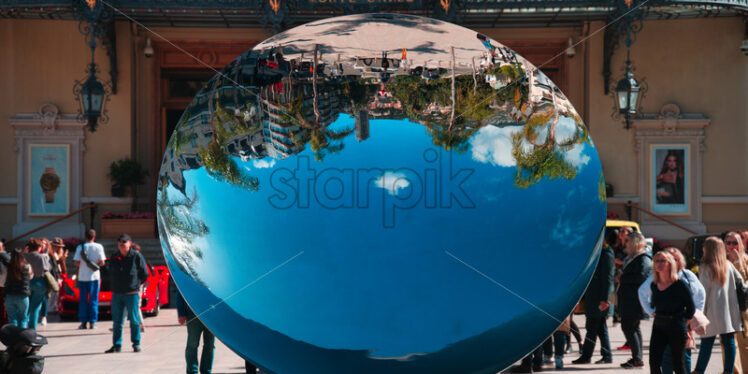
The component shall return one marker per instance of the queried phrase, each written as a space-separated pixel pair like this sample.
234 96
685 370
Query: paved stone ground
82 351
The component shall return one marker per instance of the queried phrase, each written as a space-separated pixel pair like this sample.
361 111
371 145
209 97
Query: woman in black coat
636 269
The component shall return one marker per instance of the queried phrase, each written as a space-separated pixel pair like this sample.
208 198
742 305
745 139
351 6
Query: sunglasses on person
731 242
122 241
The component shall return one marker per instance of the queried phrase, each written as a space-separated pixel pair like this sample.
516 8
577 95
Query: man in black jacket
128 272
596 304
636 268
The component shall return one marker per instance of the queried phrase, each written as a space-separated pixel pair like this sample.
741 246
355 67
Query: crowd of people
634 284
30 280
629 282
31 277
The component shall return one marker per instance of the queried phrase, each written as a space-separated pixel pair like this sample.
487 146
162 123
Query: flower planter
143 228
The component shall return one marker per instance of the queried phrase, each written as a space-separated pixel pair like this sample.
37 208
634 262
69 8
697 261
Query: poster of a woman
670 179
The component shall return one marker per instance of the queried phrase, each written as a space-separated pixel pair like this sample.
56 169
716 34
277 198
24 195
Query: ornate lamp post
90 93
629 90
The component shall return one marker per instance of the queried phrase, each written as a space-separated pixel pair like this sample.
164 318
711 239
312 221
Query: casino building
687 81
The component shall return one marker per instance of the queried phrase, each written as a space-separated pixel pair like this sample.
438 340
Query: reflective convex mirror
381 194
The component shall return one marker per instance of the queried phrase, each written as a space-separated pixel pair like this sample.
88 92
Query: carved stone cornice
47 123
48 127
670 123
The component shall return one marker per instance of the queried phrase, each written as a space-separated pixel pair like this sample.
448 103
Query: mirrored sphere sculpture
381 194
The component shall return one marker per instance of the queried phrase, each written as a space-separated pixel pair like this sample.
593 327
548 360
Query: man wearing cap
128 272
88 257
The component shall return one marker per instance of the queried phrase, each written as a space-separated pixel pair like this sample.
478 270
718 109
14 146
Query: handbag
699 322
565 325
94 267
51 282
690 340
52 285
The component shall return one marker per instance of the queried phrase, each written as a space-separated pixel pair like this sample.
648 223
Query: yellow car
617 223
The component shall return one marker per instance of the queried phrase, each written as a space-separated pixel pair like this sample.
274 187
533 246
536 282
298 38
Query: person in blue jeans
89 256
195 328
128 272
17 289
559 342
38 285
719 278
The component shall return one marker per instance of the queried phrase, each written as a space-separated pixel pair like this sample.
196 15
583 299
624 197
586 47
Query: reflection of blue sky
359 285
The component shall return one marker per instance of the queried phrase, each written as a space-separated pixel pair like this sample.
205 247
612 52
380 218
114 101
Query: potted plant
136 224
126 173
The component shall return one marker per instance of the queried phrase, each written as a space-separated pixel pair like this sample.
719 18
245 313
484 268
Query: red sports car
155 295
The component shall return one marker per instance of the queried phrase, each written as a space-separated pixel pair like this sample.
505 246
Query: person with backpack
89 256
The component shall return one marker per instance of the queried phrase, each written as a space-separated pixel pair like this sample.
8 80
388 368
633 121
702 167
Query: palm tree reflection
178 223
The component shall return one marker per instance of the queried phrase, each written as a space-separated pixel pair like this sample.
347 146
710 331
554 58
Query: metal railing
91 206
630 205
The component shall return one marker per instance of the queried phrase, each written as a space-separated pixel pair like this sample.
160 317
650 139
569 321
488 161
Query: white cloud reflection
392 182
493 145
263 164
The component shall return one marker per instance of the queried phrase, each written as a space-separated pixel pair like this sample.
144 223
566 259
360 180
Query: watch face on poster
670 179
49 183
381 193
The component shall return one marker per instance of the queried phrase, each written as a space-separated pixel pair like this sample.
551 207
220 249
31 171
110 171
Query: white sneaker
44 321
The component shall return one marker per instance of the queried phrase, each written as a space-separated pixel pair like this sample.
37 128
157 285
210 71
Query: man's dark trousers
596 328
633 334
535 358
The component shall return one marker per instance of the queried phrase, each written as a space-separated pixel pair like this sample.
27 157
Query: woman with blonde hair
697 295
673 305
744 236
736 255
719 278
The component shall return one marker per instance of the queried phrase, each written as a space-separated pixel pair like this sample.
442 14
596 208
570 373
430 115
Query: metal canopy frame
470 13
